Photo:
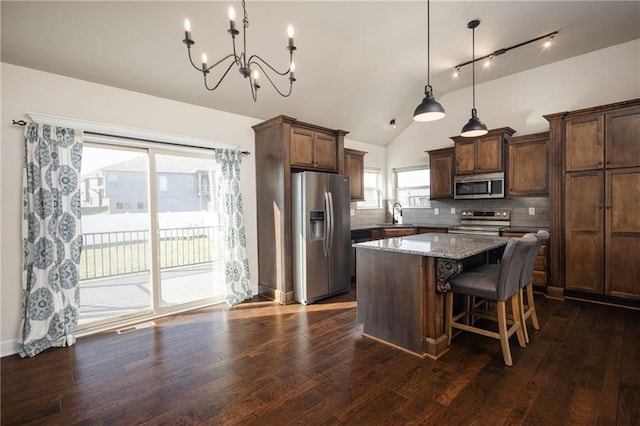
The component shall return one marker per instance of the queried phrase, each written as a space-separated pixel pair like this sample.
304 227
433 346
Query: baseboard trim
555 293
8 347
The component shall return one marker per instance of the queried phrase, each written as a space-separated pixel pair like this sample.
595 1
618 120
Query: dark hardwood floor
261 363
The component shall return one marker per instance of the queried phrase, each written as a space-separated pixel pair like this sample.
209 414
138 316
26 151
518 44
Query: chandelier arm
271 81
253 58
219 81
230 55
254 90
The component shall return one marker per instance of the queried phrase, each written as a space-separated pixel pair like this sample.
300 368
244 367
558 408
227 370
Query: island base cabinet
397 301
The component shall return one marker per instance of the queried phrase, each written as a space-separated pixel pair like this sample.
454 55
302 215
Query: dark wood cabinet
595 199
484 154
313 149
284 145
441 171
397 232
354 167
528 165
429 230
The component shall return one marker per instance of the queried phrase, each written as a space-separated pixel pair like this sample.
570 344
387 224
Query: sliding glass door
147 255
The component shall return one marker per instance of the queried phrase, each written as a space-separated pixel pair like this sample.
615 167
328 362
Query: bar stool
526 285
495 283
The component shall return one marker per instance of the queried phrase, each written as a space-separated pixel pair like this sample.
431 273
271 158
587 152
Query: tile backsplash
520 212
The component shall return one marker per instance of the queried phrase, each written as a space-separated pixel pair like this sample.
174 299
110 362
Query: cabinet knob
600 163
600 207
608 207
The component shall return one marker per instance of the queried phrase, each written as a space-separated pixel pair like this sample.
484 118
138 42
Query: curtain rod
24 123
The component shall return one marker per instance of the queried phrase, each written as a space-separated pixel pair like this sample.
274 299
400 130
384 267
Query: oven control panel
486 214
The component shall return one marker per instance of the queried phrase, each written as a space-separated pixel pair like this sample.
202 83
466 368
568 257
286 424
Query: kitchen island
401 282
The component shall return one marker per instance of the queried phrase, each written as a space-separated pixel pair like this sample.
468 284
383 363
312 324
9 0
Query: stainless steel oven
486 185
482 222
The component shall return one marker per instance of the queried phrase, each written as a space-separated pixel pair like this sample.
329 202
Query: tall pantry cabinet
595 200
284 145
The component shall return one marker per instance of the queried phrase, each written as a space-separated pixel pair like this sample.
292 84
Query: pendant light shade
474 126
429 109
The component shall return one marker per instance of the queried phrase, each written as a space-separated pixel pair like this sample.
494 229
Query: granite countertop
524 229
401 225
448 246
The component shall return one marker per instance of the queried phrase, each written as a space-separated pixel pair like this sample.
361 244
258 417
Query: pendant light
429 109
474 126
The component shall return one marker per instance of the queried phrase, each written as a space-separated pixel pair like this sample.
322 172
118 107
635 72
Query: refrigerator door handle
331 222
327 224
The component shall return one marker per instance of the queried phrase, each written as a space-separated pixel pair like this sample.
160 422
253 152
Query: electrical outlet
436 211
532 211
453 210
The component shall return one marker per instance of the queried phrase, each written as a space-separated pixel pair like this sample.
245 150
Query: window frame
365 205
396 188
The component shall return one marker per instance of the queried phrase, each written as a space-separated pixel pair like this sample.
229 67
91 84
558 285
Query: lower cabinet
540 270
397 232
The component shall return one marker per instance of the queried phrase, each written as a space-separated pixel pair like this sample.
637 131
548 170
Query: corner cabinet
354 167
283 145
484 154
595 199
528 165
441 172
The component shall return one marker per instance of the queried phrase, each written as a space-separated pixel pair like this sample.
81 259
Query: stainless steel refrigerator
321 235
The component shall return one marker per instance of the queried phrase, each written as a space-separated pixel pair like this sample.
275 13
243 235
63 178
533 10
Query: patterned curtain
234 250
52 238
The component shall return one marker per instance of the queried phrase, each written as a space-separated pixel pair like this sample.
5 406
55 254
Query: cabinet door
489 154
584 231
584 146
441 170
465 153
622 130
397 232
623 233
528 166
302 147
325 152
354 165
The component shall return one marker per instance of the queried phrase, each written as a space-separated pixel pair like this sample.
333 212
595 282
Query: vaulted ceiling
358 64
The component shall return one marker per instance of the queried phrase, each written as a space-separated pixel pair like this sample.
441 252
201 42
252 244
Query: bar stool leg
523 318
515 307
502 331
449 315
532 307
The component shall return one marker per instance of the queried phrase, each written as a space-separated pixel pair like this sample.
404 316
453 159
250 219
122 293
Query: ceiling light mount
429 109
248 66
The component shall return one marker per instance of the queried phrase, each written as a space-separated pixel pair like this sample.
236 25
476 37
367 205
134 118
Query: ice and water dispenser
317 225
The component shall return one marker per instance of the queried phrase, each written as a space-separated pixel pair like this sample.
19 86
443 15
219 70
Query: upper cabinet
441 170
528 165
484 154
354 167
599 140
314 149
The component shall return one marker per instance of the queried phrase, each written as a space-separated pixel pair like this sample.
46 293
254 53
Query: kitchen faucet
393 212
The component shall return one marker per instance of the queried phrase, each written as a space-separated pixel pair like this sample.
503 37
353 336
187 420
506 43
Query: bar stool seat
495 283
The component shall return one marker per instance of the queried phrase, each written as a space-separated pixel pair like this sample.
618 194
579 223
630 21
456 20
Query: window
140 205
413 186
113 181
190 184
372 190
163 183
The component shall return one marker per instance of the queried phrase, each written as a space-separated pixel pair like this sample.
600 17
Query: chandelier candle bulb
232 18
187 29
290 34
204 62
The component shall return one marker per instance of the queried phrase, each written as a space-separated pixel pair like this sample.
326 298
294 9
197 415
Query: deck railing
107 254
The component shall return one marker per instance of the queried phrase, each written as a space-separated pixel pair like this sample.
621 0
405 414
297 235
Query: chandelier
248 66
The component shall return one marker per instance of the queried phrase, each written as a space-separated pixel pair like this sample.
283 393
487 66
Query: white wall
519 101
27 90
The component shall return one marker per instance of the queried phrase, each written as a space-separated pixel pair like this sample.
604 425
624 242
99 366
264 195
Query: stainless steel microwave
472 187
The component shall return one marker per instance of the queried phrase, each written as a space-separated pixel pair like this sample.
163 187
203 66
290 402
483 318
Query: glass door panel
115 268
188 232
